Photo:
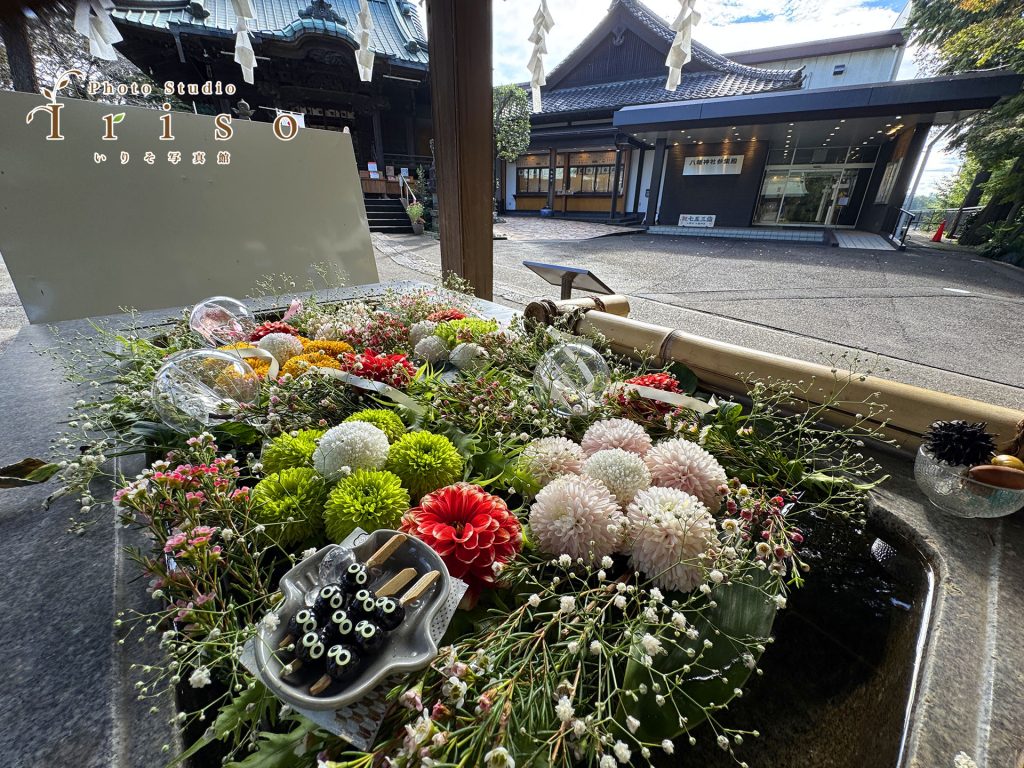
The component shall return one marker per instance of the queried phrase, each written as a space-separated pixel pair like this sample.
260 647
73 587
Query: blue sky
726 26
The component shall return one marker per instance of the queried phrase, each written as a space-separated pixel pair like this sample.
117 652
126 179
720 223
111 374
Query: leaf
743 612
279 750
687 378
119 117
26 472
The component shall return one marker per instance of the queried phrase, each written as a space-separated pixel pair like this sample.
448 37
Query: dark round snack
342 663
369 638
330 598
343 626
389 613
301 622
310 646
363 605
355 578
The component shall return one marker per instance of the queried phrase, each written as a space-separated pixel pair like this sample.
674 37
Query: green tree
963 35
511 128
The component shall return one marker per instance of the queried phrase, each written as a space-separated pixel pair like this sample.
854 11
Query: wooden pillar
615 182
639 180
460 78
552 160
652 198
378 142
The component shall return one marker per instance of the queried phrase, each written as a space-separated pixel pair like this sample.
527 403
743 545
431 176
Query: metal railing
928 219
405 192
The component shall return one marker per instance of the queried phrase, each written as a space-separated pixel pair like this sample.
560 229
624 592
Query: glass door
807 197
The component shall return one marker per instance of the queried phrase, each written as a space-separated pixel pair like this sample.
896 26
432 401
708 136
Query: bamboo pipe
909 410
545 310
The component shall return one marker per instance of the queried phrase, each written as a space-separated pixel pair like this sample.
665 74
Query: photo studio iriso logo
285 125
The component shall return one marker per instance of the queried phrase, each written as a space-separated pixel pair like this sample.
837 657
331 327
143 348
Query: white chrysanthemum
330 331
670 529
616 433
468 356
421 330
623 473
687 467
551 457
432 349
350 446
283 346
577 516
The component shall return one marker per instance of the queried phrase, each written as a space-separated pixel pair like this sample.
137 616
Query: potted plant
415 213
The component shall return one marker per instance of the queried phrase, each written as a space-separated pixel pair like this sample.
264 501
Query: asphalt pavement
945 320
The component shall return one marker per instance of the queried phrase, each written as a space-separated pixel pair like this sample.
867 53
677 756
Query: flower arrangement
624 565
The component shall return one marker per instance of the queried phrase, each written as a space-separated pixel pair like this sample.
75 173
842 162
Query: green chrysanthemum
388 422
470 329
290 505
368 499
425 462
290 451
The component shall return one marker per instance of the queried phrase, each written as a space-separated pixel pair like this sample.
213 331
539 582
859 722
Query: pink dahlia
444 315
616 433
577 516
550 457
688 467
272 326
469 528
670 531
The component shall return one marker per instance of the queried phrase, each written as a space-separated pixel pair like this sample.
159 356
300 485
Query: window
838 69
532 180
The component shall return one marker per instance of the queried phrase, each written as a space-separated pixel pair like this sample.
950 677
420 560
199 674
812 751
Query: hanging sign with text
713 165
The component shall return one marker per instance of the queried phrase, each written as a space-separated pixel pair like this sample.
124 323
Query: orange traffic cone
937 237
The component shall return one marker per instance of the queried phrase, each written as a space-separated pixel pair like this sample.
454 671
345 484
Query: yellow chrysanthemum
239 345
327 347
299 364
259 365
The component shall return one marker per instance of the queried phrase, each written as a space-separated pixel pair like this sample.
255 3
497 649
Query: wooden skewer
291 667
397 582
320 685
288 640
387 550
421 586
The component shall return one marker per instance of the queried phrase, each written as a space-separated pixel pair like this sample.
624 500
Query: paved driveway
940 319
12 317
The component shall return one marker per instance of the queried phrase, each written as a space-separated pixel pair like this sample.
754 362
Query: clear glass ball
199 388
570 379
222 320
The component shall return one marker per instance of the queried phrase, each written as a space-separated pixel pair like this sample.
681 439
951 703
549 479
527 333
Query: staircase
387 215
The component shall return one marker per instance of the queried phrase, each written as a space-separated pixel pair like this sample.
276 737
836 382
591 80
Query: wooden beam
552 156
615 182
460 86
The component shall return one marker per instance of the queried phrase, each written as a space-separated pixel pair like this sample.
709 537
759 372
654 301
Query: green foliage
415 212
511 122
470 329
425 462
387 421
282 750
289 504
366 499
951 190
289 451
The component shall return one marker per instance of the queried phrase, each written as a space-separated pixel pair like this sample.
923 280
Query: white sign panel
713 165
696 220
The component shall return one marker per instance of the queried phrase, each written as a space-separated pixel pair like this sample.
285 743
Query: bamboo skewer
320 685
387 550
397 582
421 586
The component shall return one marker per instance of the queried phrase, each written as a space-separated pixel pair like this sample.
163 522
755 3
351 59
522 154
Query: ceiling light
842 121
791 123
700 142
899 117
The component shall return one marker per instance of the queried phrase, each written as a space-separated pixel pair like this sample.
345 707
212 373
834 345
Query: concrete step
392 229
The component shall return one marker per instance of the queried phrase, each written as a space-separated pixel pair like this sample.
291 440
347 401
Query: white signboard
713 165
696 220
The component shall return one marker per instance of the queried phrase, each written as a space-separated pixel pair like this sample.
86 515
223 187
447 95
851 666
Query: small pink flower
174 542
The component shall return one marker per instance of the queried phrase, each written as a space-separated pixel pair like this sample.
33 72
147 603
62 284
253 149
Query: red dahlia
272 326
395 370
640 408
664 381
444 315
470 529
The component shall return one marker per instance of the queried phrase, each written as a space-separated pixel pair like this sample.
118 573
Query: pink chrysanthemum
577 516
550 457
688 467
616 433
670 530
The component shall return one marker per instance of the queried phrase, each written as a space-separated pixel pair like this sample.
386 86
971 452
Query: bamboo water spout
721 366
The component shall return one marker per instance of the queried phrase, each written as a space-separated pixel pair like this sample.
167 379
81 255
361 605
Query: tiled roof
396 26
717 75
651 90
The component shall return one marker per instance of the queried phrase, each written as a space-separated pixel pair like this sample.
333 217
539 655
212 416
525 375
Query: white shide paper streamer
245 56
92 20
364 54
679 54
542 24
